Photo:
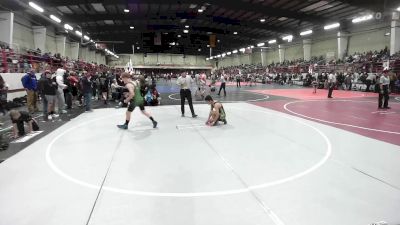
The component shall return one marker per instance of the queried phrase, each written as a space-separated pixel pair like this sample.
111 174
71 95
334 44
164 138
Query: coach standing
185 83
331 84
384 91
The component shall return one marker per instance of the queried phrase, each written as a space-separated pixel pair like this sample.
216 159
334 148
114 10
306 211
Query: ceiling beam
231 5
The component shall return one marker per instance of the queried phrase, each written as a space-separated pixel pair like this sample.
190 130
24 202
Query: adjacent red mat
361 117
306 93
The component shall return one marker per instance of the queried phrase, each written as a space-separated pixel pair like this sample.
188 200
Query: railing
12 62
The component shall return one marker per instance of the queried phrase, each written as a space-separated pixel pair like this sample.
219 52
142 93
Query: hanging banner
213 41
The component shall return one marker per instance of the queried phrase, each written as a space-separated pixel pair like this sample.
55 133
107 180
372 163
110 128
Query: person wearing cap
185 83
384 91
47 91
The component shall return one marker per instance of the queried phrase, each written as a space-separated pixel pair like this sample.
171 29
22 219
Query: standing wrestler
134 99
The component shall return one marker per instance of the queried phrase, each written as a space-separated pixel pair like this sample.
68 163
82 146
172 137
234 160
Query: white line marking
253 100
330 122
27 137
192 194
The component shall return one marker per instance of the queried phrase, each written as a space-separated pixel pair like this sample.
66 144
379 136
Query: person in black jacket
48 90
87 90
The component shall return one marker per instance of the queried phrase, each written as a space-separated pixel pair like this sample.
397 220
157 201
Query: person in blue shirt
29 82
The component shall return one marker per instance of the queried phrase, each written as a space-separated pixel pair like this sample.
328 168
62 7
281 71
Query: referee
185 83
384 91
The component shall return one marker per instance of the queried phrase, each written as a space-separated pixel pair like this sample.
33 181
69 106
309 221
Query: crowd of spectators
359 71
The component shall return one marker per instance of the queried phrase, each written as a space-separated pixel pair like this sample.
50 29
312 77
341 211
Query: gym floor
286 156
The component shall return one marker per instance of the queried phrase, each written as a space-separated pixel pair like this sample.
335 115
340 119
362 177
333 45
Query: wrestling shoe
155 124
123 126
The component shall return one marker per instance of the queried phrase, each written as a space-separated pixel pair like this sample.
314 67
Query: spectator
29 82
3 95
59 79
87 90
18 119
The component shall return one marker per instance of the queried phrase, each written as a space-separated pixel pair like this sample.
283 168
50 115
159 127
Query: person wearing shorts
217 112
135 99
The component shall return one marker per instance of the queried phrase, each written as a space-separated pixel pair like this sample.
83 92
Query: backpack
149 97
24 79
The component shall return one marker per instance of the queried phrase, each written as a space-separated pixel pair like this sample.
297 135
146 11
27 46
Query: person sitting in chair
217 112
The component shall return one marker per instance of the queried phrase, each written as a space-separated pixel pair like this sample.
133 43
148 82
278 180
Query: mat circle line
331 122
321 162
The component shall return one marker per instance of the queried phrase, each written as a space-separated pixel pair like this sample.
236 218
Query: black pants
222 87
186 94
68 99
384 97
331 86
21 128
238 83
368 82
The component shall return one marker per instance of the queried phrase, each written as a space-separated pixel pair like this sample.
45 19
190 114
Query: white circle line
331 122
266 97
191 194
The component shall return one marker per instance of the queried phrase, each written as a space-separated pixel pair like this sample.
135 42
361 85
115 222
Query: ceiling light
91 40
185 31
235 51
229 53
138 48
218 41
211 57
242 49
387 34
179 35
199 50
235 33
86 38
187 26
207 59
398 9
208 46
200 10
55 18
262 20
38 8
260 44
98 7
272 42
218 56
288 38
131 27
78 33
252 47
223 55
361 19
332 26
307 32
126 10
68 27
